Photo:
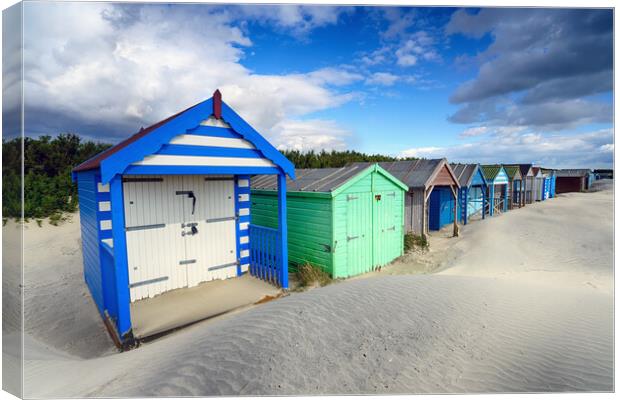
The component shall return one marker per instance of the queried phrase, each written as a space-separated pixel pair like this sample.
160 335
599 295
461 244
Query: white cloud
586 150
474 131
382 78
314 134
127 65
419 46
299 19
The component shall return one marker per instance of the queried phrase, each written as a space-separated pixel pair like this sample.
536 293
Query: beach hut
472 192
168 208
550 182
425 177
539 184
497 182
591 178
571 180
527 175
347 221
603 174
515 186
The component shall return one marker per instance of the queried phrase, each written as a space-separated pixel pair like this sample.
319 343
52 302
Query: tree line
50 192
48 188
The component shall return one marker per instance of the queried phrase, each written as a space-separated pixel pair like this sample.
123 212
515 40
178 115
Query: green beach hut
347 221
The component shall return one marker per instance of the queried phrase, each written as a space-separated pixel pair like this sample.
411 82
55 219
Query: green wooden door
359 233
386 228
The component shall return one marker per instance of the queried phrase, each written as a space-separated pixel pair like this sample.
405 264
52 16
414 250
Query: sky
474 85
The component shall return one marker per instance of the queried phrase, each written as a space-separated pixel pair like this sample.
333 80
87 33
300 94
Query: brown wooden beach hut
571 180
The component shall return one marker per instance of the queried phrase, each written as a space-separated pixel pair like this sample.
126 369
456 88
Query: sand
519 303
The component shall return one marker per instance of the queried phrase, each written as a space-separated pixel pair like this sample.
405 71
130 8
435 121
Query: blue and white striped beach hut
169 208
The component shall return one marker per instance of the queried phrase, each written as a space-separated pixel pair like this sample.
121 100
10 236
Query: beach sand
521 302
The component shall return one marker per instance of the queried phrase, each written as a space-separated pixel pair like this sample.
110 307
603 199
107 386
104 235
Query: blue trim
282 232
120 256
213 131
248 133
121 160
197 170
208 151
237 230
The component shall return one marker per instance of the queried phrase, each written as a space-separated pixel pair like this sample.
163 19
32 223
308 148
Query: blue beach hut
472 193
169 208
497 181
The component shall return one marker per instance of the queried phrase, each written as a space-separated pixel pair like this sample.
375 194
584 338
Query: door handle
189 194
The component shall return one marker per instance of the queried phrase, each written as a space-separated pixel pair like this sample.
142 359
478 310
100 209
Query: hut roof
323 180
513 171
464 173
148 141
566 173
523 168
490 171
416 173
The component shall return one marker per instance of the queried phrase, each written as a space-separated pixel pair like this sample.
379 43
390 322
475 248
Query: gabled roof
323 180
465 173
570 173
513 172
535 170
523 168
490 172
150 140
417 173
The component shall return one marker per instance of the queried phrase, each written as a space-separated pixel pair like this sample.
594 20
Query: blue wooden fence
265 254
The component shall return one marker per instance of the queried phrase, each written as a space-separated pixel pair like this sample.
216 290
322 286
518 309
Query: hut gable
418 174
495 174
468 174
192 138
513 172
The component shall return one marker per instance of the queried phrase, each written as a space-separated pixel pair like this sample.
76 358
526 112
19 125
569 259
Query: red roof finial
217 104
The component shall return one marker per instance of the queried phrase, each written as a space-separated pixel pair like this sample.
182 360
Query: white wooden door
153 218
211 247
180 230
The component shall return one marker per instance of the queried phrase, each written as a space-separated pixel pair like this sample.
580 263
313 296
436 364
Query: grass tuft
310 275
413 242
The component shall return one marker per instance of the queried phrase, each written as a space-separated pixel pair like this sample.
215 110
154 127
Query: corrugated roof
413 173
95 161
524 168
311 180
564 173
464 173
511 171
490 171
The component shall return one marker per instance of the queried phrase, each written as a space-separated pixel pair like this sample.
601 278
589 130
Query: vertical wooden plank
282 231
120 256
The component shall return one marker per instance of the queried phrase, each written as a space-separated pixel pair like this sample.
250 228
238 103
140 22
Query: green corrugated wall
347 235
309 226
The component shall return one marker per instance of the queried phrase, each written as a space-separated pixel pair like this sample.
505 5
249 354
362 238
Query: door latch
189 194
192 232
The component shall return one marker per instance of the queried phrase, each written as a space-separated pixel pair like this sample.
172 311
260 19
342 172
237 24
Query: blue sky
473 85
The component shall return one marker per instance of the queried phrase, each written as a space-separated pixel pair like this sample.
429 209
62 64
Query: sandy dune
521 302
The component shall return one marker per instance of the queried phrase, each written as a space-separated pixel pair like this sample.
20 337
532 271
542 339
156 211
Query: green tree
47 165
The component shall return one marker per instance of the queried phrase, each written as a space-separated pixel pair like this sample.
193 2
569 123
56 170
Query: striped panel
197 140
104 206
187 150
171 160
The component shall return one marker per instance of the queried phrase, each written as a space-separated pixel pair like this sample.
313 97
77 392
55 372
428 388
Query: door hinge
349 238
185 262
351 197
